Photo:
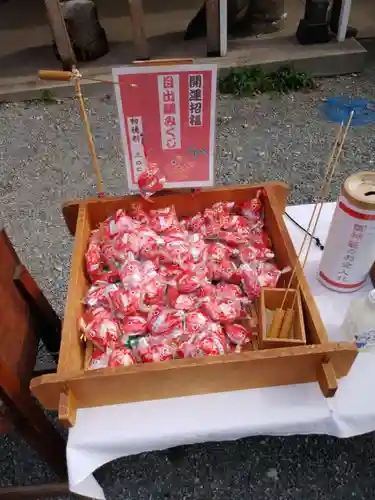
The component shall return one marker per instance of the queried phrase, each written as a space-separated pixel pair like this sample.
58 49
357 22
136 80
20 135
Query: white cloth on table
105 433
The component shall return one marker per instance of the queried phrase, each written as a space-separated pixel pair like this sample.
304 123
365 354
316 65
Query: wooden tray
73 387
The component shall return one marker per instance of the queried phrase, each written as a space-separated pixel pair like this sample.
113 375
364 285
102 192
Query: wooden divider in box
72 387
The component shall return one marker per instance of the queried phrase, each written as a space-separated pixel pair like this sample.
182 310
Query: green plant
254 80
47 97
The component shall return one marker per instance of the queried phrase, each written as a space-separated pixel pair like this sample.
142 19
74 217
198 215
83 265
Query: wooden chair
25 318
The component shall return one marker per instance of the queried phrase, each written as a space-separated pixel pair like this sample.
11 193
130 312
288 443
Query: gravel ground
44 160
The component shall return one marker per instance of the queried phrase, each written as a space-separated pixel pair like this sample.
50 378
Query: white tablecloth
106 433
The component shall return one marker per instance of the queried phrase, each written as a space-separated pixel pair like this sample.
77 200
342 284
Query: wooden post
213 27
138 27
343 20
60 34
223 27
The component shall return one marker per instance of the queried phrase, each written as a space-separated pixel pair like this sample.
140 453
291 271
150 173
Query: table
100 435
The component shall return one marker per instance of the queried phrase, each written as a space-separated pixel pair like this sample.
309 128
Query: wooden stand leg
138 26
213 27
47 323
60 34
67 408
327 379
35 492
30 421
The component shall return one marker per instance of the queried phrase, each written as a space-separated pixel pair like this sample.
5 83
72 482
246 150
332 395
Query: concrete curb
318 60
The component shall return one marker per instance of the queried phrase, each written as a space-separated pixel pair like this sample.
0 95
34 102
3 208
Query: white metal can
350 247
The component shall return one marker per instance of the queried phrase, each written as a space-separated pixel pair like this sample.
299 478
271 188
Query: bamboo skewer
76 77
278 319
325 194
283 320
319 198
77 84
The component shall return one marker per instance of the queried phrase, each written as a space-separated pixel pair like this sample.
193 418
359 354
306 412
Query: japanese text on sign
135 133
195 100
169 105
352 248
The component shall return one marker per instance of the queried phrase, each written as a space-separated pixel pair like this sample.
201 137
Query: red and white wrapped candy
95 296
150 353
99 359
150 244
98 326
250 253
235 223
118 224
228 290
196 322
150 181
217 252
121 356
134 325
233 239
175 251
131 273
209 345
153 292
125 243
252 209
197 249
194 223
137 213
180 301
237 334
164 320
228 271
111 256
223 207
170 272
250 281
268 274
163 219
174 233
256 276
190 282
122 301
260 239
222 310
94 263
225 270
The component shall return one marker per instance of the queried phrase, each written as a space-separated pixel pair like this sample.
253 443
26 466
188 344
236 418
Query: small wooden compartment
74 387
272 299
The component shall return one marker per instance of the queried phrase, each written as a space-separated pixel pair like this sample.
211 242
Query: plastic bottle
359 322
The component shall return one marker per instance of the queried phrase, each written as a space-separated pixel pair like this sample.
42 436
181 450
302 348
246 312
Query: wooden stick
65 76
276 324
324 190
287 323
325 194
321 191
90 140
277 321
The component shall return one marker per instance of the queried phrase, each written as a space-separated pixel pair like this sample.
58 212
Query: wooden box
270 300
72 387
